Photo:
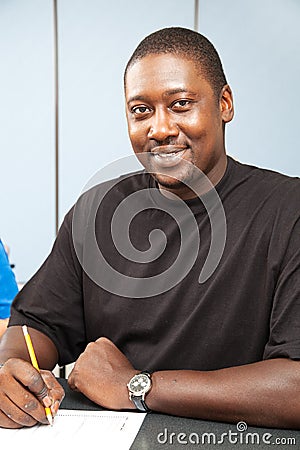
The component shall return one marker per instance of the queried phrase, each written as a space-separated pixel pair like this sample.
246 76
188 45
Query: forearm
265 393
3 326
12 345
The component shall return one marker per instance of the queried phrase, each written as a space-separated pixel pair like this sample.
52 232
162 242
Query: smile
168 158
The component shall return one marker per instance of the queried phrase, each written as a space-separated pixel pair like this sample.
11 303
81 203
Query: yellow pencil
35 364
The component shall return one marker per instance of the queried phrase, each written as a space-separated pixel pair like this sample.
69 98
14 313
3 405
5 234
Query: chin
169 182
176 180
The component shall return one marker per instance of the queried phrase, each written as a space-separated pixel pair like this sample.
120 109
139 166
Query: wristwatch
138 387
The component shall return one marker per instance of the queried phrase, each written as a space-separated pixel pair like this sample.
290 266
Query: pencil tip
50 419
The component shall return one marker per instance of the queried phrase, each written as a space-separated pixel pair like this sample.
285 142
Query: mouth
169 155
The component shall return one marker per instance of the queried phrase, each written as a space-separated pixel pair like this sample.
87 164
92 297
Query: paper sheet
74 428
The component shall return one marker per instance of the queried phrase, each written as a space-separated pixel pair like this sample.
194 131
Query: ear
226 104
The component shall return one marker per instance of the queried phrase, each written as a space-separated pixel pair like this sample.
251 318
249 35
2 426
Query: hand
23 396
101 373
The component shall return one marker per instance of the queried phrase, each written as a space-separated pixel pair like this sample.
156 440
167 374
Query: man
225 348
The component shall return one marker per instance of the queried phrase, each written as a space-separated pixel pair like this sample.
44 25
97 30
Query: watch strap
147 372
140 404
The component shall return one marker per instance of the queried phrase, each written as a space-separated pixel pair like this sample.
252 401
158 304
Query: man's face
173 115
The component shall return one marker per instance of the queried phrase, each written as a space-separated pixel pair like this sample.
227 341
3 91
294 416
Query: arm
45 299
265 393
21 384
12 345
3 326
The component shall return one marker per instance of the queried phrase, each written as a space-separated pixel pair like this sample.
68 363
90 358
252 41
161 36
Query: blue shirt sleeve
8 285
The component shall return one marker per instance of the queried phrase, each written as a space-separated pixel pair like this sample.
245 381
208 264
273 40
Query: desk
160 431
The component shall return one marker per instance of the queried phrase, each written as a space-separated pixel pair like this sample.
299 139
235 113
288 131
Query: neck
200 185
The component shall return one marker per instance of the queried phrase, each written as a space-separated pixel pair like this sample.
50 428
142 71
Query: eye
140 110
181 105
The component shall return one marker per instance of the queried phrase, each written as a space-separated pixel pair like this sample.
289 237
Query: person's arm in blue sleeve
8 288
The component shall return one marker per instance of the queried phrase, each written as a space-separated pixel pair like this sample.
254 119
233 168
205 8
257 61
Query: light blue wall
26 132
258 41
259 44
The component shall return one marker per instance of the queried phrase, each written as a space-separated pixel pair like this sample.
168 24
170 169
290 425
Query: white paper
93 429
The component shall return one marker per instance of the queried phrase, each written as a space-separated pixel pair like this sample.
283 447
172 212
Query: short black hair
184 42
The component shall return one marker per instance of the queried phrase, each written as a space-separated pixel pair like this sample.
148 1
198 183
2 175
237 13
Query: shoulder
260 173
266 183
266 197
106 194
114 189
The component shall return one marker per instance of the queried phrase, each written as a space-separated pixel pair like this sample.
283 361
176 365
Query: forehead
163 72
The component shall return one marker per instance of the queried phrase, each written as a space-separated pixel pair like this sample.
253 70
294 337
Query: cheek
194 124
194 128
137 136
201 126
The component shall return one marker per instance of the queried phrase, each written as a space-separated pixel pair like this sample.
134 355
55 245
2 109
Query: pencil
35 365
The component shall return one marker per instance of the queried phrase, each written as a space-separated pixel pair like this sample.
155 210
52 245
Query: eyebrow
178 91
135 98
166 94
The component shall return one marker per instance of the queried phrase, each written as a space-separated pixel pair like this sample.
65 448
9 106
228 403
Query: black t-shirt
247 310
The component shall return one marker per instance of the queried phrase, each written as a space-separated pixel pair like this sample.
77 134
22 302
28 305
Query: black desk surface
161 431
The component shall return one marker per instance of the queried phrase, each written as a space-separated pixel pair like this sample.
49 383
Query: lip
168 156
167 149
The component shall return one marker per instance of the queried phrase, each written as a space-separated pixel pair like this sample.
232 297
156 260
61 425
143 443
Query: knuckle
12 363
32 405
61 392
34 381
75 380
35 378
27 420
49 379
11 419
7 422
90 346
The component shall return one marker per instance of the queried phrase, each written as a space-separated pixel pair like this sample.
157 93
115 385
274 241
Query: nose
162 126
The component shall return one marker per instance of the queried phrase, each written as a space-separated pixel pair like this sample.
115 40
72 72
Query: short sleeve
8 284
284 338
52 302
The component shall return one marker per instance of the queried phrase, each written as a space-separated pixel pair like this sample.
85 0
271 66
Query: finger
37 386
18 375
13 417
56 391
17 401
54 387
42 394
71 380
31 378
6 422
27 405
26 374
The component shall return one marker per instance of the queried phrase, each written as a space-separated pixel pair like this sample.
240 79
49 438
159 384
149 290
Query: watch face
139 384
